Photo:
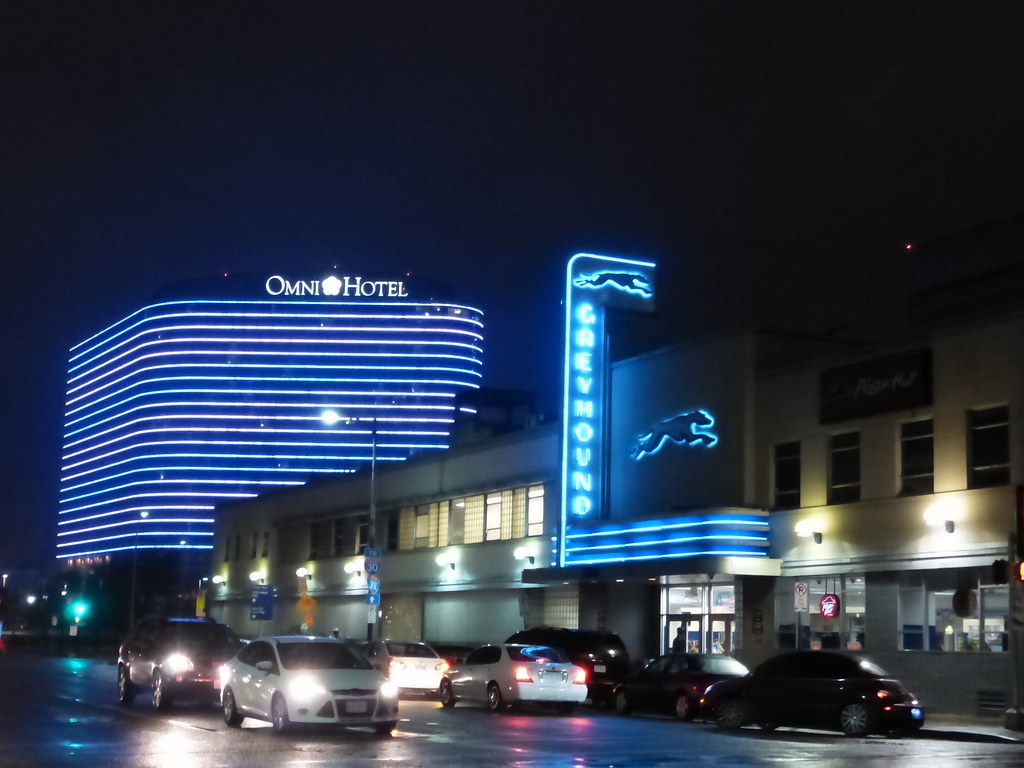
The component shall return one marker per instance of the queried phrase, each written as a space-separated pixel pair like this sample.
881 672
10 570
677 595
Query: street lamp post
371 534
135 568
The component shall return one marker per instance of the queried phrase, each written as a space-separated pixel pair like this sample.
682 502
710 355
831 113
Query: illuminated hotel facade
189 402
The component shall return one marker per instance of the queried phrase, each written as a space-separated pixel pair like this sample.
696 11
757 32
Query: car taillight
441 666
882 693
581 676
522 675
396 665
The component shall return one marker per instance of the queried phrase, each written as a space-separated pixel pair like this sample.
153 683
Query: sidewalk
967 728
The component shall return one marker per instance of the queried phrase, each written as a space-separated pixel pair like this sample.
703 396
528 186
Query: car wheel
385 728
161 696
279 714
622 705
685 708
125 689
231 714
446 694
731 713
855 719
494 700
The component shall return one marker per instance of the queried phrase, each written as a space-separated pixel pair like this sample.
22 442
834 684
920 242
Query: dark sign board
892 383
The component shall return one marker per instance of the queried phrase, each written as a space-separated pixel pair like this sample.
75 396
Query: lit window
917 458
989 447
844 468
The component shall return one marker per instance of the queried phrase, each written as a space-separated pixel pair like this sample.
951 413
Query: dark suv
602 654
172 657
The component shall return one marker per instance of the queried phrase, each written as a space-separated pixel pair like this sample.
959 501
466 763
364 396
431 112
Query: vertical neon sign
592 284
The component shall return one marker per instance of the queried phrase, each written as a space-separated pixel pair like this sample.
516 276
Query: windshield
721 665
320 656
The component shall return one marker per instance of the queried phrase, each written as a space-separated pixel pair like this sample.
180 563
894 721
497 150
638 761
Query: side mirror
265 666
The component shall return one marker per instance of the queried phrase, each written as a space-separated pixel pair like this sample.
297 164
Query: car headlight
177 663
389 690
305 689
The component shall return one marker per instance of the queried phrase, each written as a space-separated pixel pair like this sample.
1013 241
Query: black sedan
815 689
674 683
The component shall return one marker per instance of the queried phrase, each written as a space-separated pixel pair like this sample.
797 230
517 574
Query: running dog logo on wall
630 282
689 428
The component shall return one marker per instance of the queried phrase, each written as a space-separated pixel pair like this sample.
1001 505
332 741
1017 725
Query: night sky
773 158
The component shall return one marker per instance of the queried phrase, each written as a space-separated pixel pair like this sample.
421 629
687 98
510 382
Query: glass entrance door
692 635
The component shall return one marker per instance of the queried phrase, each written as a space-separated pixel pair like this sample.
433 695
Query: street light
135 567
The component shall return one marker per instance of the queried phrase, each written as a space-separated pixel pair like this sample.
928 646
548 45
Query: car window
719 665
251 653
659 665
411 649
307 655
538 654
489 654
201 635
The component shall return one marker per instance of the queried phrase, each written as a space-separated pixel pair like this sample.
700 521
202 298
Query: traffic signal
76 610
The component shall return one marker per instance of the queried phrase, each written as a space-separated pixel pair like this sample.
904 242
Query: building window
253 544
313 551
362 535
227 548
917 458
844 468
473 519
393 532
535 511
787 475
338 538
952 610
492 522
266 544
803 626
422 527
988 450
238 547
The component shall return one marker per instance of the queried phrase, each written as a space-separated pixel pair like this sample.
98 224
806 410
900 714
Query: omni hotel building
759 490
228 391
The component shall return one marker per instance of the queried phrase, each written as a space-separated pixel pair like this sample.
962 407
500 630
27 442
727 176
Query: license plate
600 668
355 707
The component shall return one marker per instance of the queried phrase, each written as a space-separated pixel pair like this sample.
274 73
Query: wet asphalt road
64 711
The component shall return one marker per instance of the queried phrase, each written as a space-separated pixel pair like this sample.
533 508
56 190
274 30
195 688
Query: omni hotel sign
593 284
343 286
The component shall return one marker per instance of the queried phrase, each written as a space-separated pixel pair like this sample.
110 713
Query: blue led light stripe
188 403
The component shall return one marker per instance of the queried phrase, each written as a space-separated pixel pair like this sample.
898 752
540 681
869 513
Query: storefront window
952 611
820 612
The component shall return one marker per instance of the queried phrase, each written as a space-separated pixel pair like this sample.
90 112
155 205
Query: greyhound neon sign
592 284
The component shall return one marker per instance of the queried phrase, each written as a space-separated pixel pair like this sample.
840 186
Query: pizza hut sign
829 606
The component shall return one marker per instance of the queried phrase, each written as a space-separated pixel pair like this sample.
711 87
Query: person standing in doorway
679 644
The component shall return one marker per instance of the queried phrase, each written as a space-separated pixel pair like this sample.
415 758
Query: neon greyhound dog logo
687 428
630 282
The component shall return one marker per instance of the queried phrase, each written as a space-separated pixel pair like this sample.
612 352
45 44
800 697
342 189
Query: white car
302 679
509 674
413 667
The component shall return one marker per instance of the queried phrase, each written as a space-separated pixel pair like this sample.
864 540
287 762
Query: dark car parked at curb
602 654
815 689
674 683
174 657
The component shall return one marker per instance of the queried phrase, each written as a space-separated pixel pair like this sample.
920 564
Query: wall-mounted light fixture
304 572
522 553
806 529
218 579
944 512
256 577
446 559
354 567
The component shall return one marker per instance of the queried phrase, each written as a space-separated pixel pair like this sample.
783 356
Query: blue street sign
371 553
372 566
373 599
262 605
373 585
